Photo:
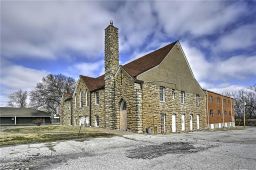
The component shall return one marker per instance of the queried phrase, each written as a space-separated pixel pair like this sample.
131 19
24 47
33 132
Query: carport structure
23 116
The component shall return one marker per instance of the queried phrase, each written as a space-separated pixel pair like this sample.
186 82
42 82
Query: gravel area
233 149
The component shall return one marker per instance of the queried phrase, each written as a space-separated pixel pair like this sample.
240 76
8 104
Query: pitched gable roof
22 112
148 61
133 68
93 83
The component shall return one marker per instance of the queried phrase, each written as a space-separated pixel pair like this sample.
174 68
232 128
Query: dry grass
34 134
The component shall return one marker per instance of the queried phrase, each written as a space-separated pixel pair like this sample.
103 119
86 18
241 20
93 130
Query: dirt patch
154 151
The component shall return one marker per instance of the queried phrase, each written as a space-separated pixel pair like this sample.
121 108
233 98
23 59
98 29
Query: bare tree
47 94
244 96
18 99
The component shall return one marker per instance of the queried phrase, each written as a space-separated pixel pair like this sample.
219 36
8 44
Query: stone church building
156 93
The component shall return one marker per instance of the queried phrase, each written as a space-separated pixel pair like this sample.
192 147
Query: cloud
15 77
50 29
232 89
197 18
137 22
87 69
199 65
240 38
221 70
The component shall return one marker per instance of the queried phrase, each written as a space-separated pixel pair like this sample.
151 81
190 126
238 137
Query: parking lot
233 149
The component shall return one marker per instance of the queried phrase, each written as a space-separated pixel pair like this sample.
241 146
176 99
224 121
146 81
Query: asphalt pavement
233 149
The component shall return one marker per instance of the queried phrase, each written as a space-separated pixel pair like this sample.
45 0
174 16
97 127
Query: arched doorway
123 115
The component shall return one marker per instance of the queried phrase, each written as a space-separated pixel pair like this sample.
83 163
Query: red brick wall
215 107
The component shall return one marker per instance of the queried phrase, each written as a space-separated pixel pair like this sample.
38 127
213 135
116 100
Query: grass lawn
36 134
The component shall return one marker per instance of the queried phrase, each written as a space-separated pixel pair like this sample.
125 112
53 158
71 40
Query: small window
225 112
182 97
97 98
162 93
210 99
219 113
224 101
218 101
197 99
173 93
211 112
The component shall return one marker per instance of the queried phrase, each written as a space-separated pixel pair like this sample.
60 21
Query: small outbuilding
23 116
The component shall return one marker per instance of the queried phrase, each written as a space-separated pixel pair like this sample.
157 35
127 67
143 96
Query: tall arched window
86 98
81 102
75 100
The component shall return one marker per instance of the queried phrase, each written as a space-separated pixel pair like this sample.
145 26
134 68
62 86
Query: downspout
208 119
90 110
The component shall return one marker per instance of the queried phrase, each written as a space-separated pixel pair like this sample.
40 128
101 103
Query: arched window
97 121
122 105
81 99
86 98
75 100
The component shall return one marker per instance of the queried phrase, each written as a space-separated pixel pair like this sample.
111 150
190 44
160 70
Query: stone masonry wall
152 109
83 110
66 109
98 109
124 89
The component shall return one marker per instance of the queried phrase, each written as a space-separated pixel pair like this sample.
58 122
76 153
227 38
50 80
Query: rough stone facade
125 90
143 96
98 109
80 103
153 108
66 116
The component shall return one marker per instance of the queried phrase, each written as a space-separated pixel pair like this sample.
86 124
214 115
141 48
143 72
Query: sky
67 37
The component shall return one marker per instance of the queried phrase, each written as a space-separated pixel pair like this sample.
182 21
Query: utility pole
244 113
222 108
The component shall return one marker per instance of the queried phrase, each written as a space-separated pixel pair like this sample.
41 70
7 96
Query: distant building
220 110
23 116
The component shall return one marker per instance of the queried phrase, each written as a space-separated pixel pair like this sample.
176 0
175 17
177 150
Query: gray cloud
236 68
240 38
196 17
14 77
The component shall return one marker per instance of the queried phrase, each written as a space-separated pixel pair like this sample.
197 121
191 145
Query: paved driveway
234 149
